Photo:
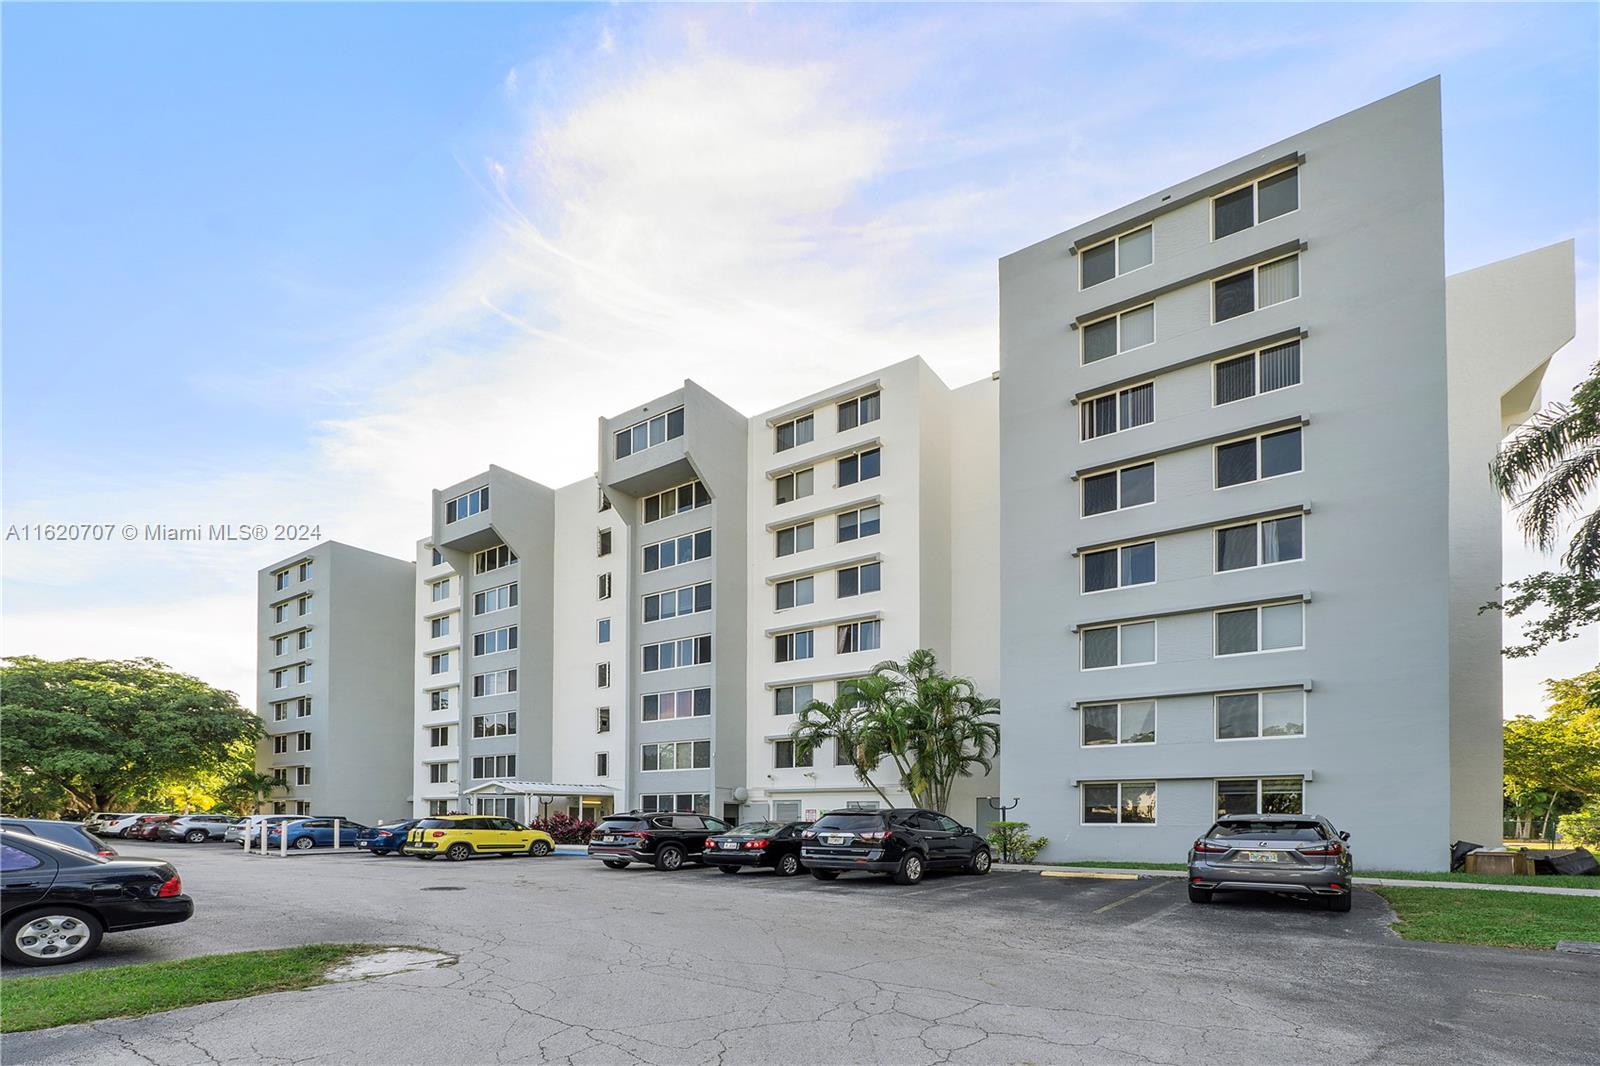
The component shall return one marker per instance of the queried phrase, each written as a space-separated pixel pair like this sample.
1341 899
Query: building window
1261 715
494 683
439 773
675 501
676 551
302 742
860 411
796 593
1120 803
1115 411
605 586
501 724
303 807
439 700
304 639
1114 490
602 719
279 806
785 757
1125 644
1267 198
795 486
1261 795
281 580
302 707
493 559
1119 723
1243 376
859 580
302 775
302 673
466 505
497 807
305 570
854 525
649 433
859 636
1258 458
280 711
790 434
1119 333
678 755
1115 257
494 640
602 631
672 654
603 545
862 466
439 736
487 766
438 664
691 599
790 699
280 612
438 557
280 744
1260 286
498 598
602 764
280 645
684 802
605 501
439 627
791 647
1113 568
796 539
602 675
441 590
1272 627
1263 543
667 706
280 776
304 604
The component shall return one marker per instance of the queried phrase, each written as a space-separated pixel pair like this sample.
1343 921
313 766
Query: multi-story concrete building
1245 521
333 653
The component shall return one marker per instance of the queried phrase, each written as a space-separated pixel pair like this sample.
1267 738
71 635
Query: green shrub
1582 830
1012 841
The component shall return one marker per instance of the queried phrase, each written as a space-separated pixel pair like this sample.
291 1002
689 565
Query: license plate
836 840
729 845
361 843
608 840
1259 856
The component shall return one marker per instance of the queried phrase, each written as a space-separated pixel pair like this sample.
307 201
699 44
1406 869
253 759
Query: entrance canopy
544 792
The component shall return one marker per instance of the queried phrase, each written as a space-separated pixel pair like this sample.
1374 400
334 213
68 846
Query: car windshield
1268 830
854 823
754 828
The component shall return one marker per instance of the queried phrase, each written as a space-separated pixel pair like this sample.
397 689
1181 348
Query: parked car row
145 825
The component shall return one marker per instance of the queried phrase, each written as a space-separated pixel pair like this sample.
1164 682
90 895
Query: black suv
902 843
666 841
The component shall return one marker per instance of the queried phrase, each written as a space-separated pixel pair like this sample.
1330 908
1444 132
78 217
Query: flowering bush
564 829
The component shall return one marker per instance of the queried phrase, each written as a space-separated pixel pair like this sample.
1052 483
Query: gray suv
1293 854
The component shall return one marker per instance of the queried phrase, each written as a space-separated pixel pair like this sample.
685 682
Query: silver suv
1293 854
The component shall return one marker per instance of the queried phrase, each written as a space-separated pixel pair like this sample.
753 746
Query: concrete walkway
1123 873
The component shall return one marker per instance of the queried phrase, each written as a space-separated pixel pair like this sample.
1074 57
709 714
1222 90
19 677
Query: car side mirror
966 831
1344 836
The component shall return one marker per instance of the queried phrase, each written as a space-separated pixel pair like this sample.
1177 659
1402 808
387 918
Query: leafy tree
92 735
1581 829
933 727
1014 843
1548 471
1557 756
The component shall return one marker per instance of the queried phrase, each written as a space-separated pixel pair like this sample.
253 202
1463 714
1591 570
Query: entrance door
730 813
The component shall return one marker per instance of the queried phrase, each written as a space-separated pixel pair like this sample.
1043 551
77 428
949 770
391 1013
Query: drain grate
444 888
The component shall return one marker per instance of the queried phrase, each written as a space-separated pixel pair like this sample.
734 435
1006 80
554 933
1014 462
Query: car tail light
106 853
1332 847
758 844
1210 849
710 843
437 833
808 834
1336 886
172 886
877 838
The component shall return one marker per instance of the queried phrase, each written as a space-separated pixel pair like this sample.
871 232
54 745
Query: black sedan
385 839
775 845
56 902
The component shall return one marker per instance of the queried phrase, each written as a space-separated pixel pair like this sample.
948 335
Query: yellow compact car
461 836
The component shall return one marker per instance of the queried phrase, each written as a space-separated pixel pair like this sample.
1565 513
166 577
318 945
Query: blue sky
302 262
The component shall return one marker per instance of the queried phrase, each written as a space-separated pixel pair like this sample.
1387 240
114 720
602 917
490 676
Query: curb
1129 873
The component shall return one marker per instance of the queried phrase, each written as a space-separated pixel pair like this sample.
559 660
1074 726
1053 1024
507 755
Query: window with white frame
280 711
439 700
438 807
675 551
439 736
675 500
790 699
1122 644
1115 490
1114 257
466 505
1261 795
672 654
305 570
302 673
791 647
862 522
795 485
494 640
860 580
862 466
668 706
497 806
302 707
439 627
499 598
657 803
1270 455
787 756
1261 715
280 612
280 678
439 663
1260 286
858 636
1119 333
648 433
487 766
677 755
1119 723
602 719
281 580
1270 627
280 645
1113 412
302 742
1120 567
304 605
493 559
860 411
605 587
1262 199
790 434
302 775
792 539
602 764
690 599
500 724
1119 803
439 773
602 543
602 631
494 683
794 593
280 776
1263 543
440 590
602 675
280 744
304 639
1240 377
438 557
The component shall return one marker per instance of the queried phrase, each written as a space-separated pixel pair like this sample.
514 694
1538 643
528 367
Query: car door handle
24 884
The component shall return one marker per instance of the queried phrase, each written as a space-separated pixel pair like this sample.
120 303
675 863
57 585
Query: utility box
1500 863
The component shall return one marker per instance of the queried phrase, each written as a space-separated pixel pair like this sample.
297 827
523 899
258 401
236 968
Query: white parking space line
1128 897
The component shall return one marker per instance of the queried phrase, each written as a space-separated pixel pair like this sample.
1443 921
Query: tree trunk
1544 830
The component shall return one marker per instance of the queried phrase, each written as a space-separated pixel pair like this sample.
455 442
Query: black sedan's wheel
728 869
910 872
458 852
1199 895
1341 902
669 857
196 836
539 848
788 865
980 862
616 864
50 936
825 875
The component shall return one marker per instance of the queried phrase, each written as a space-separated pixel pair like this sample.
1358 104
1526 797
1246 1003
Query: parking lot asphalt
562 960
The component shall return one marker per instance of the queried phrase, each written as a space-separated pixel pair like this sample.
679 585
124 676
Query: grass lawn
45 1000
1501 919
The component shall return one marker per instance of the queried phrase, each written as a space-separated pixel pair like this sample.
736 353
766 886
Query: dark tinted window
688 821
16 859
1138 484
1280 453
1236 463
437 823
1268 830
854 823
1100 340
1279 194
1100 493
1236 295
1235 211
1099 263
620 825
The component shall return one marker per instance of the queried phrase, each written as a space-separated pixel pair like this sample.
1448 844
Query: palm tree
933 727
1547 471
